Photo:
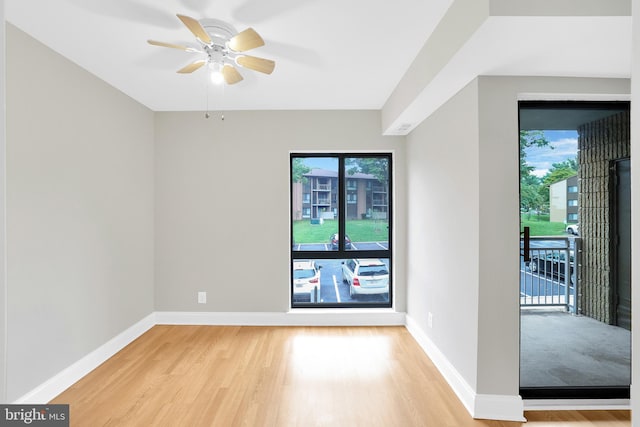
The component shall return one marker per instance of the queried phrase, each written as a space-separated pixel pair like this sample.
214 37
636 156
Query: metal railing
550 277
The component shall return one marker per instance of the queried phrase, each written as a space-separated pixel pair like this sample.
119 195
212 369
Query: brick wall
599 143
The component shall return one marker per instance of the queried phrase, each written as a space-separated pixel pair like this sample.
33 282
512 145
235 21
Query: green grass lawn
541 226
361 230
368 230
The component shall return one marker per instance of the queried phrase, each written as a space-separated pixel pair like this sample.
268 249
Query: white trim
307 317
485 406
70 375
460 387
576 404
498 407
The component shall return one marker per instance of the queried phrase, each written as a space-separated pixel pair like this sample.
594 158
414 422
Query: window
572 202
572 217
344 232
572 189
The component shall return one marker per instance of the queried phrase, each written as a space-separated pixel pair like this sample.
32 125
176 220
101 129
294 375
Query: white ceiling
330 54
592 46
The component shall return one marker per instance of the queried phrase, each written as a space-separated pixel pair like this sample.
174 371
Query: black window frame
342 253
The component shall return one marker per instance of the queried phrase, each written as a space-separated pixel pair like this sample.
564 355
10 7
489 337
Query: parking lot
359 246
539 284
333 290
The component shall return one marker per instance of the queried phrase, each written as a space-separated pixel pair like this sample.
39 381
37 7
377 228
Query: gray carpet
559 349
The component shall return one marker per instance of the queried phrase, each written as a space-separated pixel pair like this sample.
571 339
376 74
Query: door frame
575 392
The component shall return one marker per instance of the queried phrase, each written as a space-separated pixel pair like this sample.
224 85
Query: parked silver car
365 276
306 280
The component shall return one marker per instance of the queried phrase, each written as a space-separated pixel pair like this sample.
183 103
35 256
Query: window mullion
341 205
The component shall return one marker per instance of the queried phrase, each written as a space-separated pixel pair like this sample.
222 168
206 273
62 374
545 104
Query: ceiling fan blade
257 64
231 75
192 67
172 46
194 26
245 40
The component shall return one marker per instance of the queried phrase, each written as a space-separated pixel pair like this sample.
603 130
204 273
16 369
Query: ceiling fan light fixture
217 77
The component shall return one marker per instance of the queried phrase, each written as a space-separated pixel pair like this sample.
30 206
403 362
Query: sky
564 143
565 146
322 163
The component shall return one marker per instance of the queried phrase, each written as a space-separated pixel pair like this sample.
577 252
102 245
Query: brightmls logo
34 415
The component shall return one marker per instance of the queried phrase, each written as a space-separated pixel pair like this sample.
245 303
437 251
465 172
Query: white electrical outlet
430 320
202 297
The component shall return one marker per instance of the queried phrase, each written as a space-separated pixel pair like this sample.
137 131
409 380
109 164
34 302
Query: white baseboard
494 407
460 387
67 377
498 407
308 317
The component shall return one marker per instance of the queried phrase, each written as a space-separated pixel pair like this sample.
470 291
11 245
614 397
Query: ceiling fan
223 48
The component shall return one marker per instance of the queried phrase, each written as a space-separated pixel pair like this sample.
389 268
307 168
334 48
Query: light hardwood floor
282 376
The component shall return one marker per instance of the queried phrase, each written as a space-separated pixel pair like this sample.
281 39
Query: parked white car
572 229
306 278
365 276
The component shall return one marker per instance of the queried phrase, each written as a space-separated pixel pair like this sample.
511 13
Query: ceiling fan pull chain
223 91
206 114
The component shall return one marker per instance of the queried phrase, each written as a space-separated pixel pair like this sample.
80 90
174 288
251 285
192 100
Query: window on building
341 244
572 189
572 202
572 217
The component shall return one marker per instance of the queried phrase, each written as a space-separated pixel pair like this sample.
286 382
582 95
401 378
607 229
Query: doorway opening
575 299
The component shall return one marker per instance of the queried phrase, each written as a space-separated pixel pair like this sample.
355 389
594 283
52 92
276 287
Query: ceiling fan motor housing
219 31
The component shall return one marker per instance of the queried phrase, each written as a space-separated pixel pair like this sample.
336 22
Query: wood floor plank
282 376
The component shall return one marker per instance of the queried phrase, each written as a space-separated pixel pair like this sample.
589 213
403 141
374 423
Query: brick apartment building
317 196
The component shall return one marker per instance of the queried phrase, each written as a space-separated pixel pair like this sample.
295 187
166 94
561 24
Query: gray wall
222 202
442 214
3 283
79 213
463 248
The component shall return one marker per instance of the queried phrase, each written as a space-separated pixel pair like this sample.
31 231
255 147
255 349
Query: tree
530 197
530 138
561 171
533 195
299 169
376 166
